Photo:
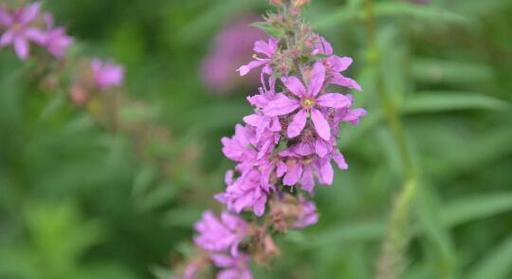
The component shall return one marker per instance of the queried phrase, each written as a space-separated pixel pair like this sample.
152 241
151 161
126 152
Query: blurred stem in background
391 261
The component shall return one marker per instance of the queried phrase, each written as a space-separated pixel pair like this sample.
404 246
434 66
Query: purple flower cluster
291 138
289 143
26 25
230 48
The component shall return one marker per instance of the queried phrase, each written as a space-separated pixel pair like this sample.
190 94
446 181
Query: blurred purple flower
230 48
19 31
56 40
220 235
232 267
308 215
107 75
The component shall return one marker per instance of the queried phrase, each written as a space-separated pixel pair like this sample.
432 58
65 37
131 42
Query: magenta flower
232 267
56 41
309 103
19 31
246 192
220 235
230 48
308 215
268 50
107 75
335 65
303 166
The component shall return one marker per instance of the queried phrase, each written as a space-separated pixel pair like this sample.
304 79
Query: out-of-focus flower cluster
229 49
285 148
26 26
32 32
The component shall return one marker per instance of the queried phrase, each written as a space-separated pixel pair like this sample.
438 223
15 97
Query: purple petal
353 115
340 160
340 64
281 105
5 18
334 100
321 147
340 80
245 69
326 173
264 48
21 48
36 35
295 86
29 13
323 47
298 123
307 182
321 126
7 38
317 79
293 174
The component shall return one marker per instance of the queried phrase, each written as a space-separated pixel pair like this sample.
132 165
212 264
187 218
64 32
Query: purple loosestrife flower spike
286 146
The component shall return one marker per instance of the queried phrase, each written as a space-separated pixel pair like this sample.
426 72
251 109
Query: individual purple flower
335 65
307 214
56 40
232 267
267 50
230 48
308 102
245 192
19 30
303 168
220 235
107 75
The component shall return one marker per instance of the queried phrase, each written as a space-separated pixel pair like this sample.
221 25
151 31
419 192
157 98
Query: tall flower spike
284 148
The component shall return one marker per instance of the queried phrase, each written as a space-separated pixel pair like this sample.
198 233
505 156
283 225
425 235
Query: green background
76 202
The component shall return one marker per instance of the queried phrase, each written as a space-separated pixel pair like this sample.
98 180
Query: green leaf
495 265
451 101
444 71
269 29
476 207
419 12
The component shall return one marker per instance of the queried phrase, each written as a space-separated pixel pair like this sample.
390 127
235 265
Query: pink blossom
56 40
309 103
107 75
230 48
232 267
303 167
308 215
268 50
19 30
335 65
245 192
220 235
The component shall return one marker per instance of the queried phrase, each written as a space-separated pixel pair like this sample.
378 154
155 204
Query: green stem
391 262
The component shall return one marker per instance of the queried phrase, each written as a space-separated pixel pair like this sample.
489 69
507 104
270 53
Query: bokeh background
78 201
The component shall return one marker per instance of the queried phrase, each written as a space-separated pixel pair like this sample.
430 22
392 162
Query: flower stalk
391 262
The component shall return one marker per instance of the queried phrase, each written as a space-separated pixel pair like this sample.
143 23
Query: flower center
16 27
308 102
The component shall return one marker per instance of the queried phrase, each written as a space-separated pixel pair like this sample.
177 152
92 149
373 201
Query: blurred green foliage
75 201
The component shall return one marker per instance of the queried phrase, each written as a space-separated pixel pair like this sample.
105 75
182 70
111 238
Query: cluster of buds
282 150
